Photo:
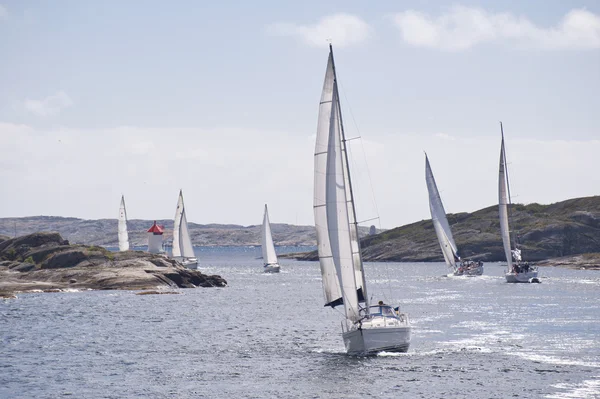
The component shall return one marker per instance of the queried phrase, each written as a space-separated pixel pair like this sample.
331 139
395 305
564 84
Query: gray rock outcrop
46 262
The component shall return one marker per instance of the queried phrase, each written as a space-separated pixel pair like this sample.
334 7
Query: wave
583 390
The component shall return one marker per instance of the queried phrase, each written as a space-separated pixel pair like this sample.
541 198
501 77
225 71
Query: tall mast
347 172
514 240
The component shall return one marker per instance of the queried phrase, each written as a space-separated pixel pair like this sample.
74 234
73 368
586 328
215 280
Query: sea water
269 336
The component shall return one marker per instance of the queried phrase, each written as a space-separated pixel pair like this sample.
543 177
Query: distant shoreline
588 261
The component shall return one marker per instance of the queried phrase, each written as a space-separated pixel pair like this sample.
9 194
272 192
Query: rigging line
370 181
378 218
368 220
343 313
347 102
510 206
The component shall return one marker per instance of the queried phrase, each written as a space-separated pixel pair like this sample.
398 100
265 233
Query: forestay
439 219
268 248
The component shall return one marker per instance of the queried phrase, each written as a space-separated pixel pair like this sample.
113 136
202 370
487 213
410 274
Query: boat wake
329 351
392 354
536 357
585 389
437 352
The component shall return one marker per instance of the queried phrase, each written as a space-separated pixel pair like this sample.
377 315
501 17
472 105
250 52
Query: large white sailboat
268 248
444 233
183 250
123 235
517 270
366 329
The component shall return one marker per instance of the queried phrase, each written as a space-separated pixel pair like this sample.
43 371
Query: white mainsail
268 248
503 206
182 243
439 219
337 239
123 235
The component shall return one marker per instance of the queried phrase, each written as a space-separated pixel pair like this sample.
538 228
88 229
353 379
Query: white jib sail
182 243
123 235
338 222
268 248
185 241
503 208
439 219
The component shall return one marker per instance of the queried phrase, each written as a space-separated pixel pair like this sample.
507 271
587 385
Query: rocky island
565 233
47 262
103 232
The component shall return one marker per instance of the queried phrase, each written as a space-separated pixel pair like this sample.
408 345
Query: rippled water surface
269 336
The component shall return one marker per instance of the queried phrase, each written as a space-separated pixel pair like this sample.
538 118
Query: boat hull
188 263
470 272
370 341
526 277
271 268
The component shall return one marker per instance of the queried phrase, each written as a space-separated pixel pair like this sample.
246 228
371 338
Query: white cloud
3 12
227 175
341 29
49 106
464 27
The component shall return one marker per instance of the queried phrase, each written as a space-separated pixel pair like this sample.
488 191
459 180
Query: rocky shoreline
579 262
563 234
45 262
587 261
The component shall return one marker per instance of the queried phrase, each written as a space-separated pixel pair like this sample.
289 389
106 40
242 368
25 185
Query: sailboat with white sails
183 250
517 270
122 229
444 233
268 248
366 329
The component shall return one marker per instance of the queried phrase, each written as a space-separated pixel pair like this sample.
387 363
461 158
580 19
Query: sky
220 99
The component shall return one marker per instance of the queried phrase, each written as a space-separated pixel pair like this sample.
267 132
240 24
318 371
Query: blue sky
220 99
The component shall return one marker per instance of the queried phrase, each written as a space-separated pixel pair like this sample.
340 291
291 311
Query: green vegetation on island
562 229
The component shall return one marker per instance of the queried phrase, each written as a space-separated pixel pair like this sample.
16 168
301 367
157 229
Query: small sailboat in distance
183 250
444 233
122 229
268 248
366 329
517 270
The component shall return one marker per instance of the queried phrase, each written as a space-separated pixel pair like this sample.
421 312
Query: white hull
370 341
470 272
378 334
190 263
272 268
522 277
